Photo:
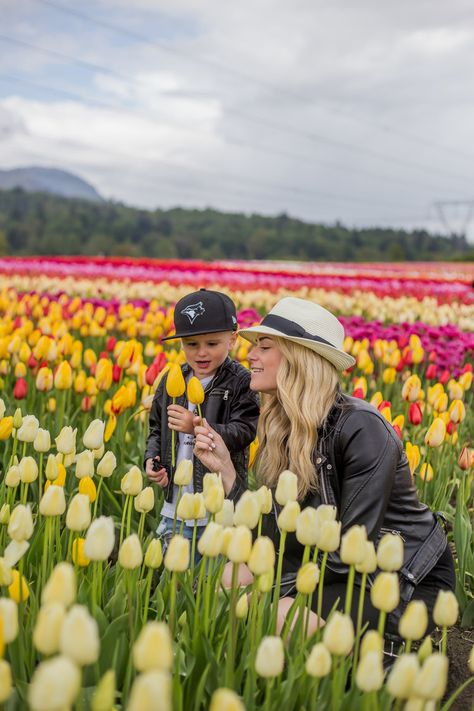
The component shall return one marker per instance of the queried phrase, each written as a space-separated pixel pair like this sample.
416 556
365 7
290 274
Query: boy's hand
160 476
180 419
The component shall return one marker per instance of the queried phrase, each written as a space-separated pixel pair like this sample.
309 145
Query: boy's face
205 353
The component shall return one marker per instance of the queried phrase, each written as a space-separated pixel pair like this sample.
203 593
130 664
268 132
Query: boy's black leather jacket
230 407
362 469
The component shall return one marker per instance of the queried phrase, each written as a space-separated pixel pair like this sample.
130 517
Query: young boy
206 322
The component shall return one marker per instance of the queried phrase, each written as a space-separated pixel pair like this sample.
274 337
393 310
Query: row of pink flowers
446 283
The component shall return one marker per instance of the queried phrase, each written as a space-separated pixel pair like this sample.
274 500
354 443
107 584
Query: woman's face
264 358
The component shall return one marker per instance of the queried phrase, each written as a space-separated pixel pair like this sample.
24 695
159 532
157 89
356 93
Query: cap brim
338 358
197 333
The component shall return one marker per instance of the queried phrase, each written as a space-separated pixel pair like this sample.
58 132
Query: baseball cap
203 311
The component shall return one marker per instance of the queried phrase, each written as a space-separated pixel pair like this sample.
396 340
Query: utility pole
449 212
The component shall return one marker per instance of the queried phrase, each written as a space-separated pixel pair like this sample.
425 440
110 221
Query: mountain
48 180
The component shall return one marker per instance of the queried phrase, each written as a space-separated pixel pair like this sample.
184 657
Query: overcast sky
361 112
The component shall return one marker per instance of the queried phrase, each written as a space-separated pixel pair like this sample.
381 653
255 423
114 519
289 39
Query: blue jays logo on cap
192 311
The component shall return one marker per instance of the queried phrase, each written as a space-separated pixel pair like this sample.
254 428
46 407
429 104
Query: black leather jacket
362 469
230 407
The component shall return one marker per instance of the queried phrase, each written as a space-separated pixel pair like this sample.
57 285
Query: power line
132 81
312 136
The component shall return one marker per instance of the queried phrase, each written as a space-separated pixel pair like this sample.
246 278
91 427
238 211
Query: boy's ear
232 340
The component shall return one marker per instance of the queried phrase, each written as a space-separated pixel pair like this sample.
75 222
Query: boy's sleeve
153 442
241 429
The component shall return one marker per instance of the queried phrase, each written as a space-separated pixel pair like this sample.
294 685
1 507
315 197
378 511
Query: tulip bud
308 527
287 488
185 509
145 500
5 681
104 694
153 648
211 540
369 675
177 555
5 514
195 391
369 563
18 588
214 498
270 658
307 578
288 516
353 548
242 607
66 440
61 585
329 536
385 592
28 430
80 636
94 435
183 475
100 539
227 535
338 634
247 510
265 581
319 661
154 554
209 479
436 433
9 619
12 477
132 482
84 464
401 679
78 556
17 418
148 688
47 630
414 621
55 684
28 470
226 700
446 609
240 545
130 553
372 641
430 682
42 441
107 464
390 553
51 470
425 649
175 383
53 501
225 517
464 460
264 496
262 556
20 527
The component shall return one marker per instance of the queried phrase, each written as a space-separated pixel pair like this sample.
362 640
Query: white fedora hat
308 324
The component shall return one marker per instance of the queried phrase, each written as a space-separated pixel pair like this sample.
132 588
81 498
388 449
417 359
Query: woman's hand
210 449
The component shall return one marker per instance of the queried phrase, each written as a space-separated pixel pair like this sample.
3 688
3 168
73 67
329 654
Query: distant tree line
37 223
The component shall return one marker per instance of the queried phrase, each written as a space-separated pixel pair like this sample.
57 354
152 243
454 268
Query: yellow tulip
63 376
80 636
17 594
78 556
287 487
130 553
369 674
385 592
270 658
413 456
110 427
307 578
338 634
6 427
457 411
177 555
426 471
153 648
5 681
436 433
44 379
195 391
319 662
87 487
226 700
175 383
262 556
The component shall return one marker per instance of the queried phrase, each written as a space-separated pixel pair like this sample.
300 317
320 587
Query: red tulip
383 404
415 414
451 427
86 403
20 389
358 392
110 345
32 362
467 367
444 377
400 365
431 371
116 373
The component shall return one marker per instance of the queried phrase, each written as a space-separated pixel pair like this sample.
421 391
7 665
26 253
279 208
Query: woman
344 454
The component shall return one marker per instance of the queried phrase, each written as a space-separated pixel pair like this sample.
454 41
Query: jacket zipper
393 531
226 395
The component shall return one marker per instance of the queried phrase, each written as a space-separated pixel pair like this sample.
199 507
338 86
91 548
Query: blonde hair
288 425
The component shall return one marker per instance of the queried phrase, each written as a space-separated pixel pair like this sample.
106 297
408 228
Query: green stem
193 550
101 481
382 618
276 592
146 603
360 610
320 593
172 602
459 691
349 589
232 628
176 507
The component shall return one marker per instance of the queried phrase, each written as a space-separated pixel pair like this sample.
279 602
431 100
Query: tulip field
94 616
